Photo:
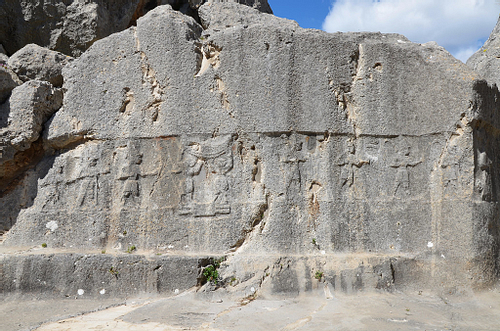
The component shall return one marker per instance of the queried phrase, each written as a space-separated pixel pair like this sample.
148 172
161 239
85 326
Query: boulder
486 61
70 27
29 107
213 15
33 62
22 118
8 80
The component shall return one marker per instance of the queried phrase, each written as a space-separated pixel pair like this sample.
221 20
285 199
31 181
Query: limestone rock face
8 80
38 63
21 119
486 61
70 26
231 14
289 150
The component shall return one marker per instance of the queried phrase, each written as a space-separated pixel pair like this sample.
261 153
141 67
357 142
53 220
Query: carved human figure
221 166
193 167
349 161
292 156
129 173
206 185
483 176
88 187
450 167
402 162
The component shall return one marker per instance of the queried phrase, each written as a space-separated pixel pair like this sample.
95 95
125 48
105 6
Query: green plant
113 271
314 241
125 233
44 245
211 274
103 251
318 275
131 249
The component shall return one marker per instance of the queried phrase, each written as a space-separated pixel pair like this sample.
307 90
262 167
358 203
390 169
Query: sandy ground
315 311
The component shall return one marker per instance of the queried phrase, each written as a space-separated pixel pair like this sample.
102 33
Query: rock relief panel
207 163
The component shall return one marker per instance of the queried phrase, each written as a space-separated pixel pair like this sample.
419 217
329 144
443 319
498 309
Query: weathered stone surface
486 61
30 105
263 141
21 122
98 276
230 14
8 81
33 62
67 26
70 26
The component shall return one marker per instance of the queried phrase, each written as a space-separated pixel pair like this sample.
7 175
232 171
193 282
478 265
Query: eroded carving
483 176
349 161
129 173
291 155
207 163
403 161
450 167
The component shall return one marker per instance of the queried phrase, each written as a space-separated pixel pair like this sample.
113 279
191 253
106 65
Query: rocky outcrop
22 118
8 80
71 27
252 137
286 154
486 61
33 62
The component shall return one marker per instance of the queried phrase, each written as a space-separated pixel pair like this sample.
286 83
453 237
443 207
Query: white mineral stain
430 244
176 291
80 292
103 291
52 226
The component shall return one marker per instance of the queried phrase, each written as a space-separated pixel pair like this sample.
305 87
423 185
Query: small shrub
44 245
211 274
131 249
318 275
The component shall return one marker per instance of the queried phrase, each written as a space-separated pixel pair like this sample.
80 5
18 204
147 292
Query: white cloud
457 25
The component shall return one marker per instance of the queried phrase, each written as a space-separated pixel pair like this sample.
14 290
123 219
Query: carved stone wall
265 139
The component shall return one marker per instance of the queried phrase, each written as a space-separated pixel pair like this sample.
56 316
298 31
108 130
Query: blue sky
461 26
308 13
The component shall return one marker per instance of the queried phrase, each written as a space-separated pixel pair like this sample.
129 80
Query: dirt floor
315 311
